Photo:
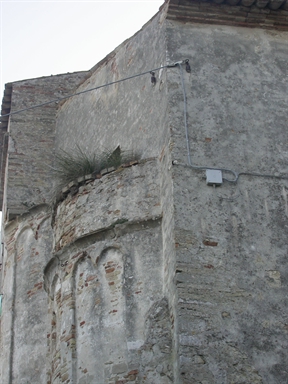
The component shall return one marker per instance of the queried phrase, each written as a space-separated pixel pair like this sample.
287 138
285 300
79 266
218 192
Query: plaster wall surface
109 273
100 303
130 113
231 241
109 313
150 275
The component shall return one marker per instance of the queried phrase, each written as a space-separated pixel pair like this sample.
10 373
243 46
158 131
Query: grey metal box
213 177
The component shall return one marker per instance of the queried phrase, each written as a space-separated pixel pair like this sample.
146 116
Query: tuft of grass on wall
69 166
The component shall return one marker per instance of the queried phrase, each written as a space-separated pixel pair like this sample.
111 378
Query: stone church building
171 267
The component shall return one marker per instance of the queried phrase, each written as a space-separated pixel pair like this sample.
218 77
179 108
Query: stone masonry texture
144 273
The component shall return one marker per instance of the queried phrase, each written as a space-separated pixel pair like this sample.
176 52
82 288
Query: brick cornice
268 14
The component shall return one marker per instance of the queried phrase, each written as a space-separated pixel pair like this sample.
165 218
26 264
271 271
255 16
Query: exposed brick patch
209 12
90 278
73 187
133 372
210 243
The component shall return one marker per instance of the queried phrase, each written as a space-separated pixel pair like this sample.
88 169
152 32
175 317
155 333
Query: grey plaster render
149 275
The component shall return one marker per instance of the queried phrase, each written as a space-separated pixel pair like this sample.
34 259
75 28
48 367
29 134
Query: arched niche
54 332
30 311
87 296
44 235
99 317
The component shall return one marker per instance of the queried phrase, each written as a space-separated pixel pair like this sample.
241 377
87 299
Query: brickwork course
152 271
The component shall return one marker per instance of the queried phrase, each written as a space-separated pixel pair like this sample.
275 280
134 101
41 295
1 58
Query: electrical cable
190 165
262 175
179 64
90 90
185 115
57 100
187 137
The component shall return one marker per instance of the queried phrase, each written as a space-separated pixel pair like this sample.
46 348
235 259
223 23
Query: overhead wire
179 65
57 100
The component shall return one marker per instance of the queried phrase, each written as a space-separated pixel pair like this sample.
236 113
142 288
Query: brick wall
31 140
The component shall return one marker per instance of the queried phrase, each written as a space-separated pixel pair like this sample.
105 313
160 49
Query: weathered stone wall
130 113
98 306
231 241
110 319
151 276
111 314
31 140
127 195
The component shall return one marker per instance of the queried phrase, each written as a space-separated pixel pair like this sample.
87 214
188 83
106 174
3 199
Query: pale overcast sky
42 38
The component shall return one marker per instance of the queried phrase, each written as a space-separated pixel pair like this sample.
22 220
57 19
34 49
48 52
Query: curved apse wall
108 298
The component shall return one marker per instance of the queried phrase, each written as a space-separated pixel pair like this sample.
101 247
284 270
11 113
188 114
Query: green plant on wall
69 166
